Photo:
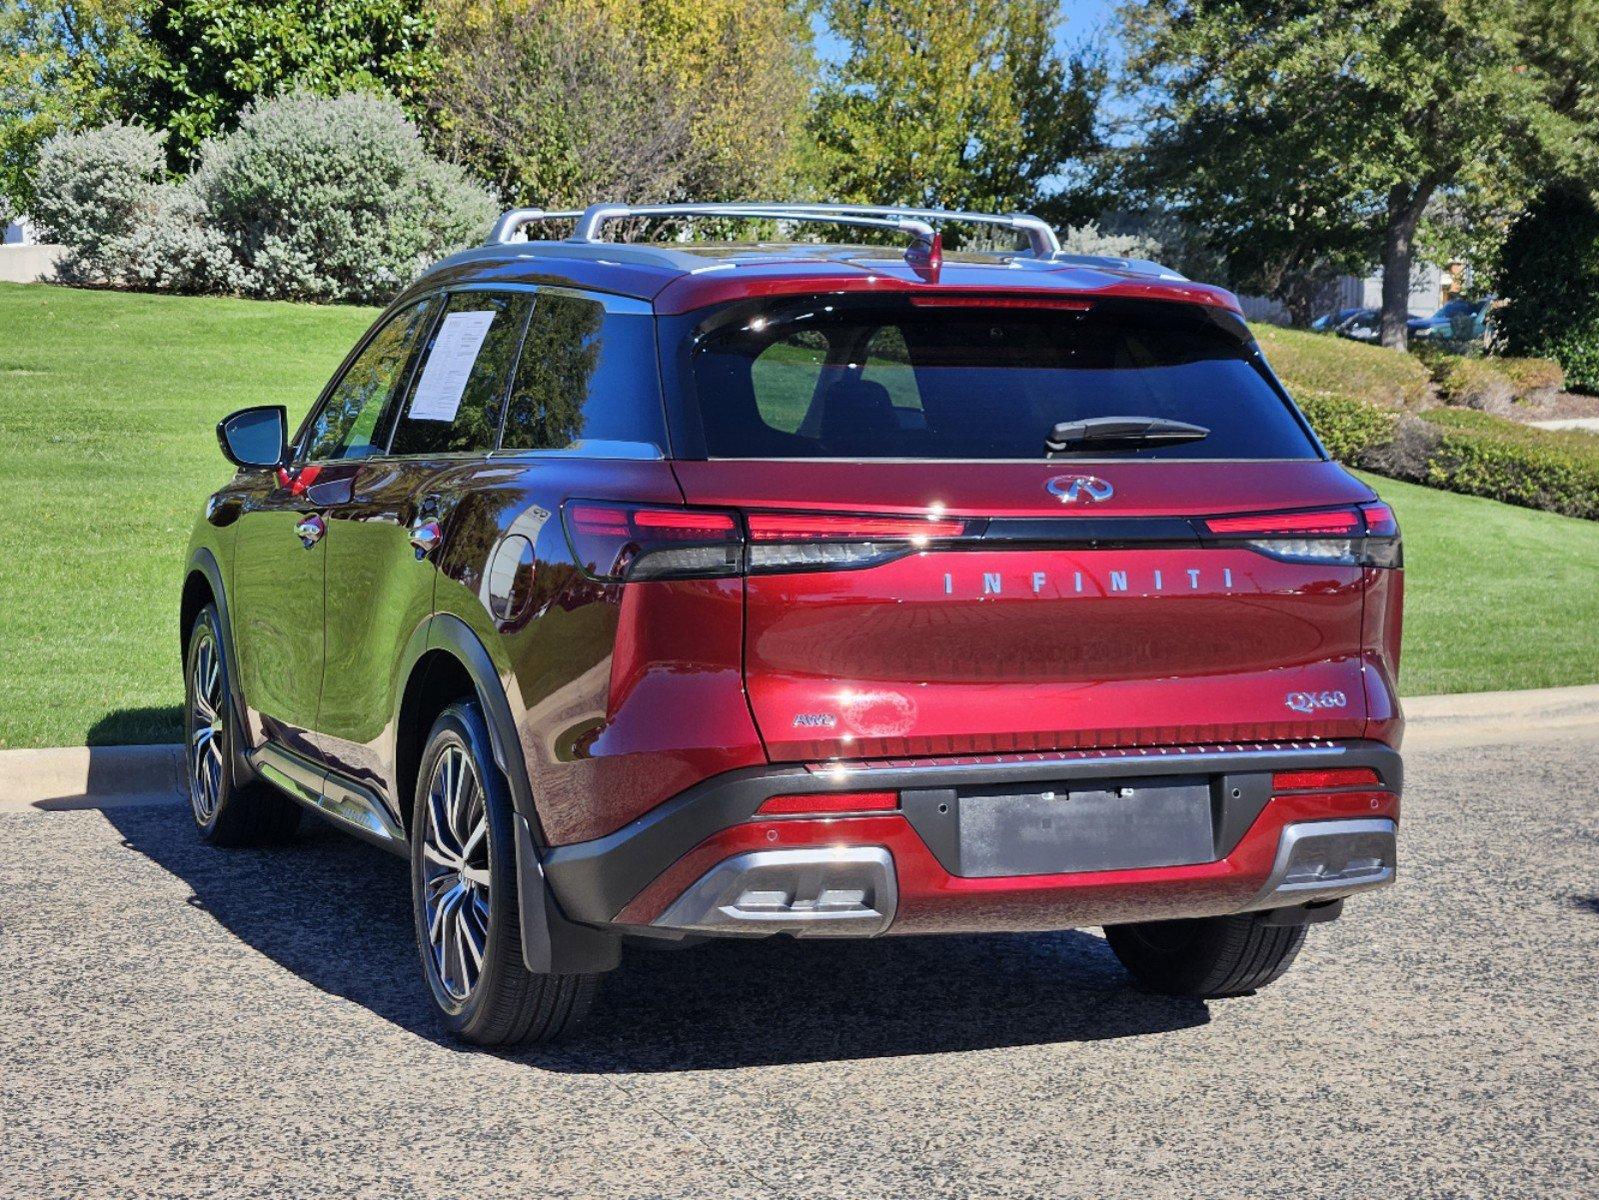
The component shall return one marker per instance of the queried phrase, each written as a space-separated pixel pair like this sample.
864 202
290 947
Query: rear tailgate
1042 626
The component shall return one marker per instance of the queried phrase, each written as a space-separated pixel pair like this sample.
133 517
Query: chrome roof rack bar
593 219
1041 237
511 222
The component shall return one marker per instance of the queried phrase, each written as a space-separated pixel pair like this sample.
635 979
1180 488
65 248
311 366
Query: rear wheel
227 811
1211 957
463 885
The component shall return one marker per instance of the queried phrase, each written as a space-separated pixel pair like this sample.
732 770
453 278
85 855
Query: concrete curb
1483 718
90 777
117 776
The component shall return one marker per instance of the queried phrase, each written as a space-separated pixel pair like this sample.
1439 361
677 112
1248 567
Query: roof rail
1041 238
917 222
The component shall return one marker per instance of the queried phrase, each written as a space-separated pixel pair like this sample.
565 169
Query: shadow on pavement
336 912
137 726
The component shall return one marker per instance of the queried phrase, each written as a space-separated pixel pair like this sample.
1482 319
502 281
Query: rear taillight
1365 536
800 541
617 542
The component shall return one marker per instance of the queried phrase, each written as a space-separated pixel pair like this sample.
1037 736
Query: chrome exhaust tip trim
841 891
1325 860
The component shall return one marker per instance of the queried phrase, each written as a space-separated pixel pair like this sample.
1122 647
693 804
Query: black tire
473 966
1208 958
227 810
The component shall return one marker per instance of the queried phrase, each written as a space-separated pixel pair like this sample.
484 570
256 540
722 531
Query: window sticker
449 366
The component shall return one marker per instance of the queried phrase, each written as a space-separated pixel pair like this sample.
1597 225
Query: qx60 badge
1079 489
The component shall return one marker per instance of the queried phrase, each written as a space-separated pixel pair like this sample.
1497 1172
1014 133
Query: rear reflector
1324 780
829 802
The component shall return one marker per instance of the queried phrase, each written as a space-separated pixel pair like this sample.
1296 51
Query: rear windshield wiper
1120 433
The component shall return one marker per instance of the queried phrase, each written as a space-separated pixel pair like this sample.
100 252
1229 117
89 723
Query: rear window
829 377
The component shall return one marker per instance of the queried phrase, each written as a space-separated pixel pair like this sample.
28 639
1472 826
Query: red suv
678 590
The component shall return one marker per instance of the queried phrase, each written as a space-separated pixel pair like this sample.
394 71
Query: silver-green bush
334 199
92 188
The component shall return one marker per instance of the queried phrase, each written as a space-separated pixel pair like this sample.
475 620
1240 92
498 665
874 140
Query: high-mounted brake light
1057 303
1366 536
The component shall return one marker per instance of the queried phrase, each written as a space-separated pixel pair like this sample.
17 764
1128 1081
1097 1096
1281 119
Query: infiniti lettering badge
1080 489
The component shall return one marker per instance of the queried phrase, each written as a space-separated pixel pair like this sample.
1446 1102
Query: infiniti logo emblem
1075 489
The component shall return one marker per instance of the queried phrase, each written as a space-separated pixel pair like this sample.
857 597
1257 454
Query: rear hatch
926 576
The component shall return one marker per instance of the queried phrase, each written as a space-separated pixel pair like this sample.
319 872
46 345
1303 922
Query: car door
386 530
280 560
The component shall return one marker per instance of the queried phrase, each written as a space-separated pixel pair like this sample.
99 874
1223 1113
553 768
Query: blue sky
1083 20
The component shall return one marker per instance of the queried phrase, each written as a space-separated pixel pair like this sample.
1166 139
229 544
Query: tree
561 103
1548 275
63 64
952 103
202 61
1308 137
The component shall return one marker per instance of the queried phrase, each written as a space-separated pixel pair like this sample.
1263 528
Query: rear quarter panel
623 696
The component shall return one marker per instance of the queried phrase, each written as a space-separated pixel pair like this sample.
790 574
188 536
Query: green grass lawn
108 404
108 409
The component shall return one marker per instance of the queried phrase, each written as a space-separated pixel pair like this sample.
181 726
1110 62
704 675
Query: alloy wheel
205 727
455 872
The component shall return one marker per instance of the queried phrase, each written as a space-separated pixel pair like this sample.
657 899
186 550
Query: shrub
1489 384
1087 239
1314 366
1483 455
91 189
1549 276
174 248
334 199
1534 379
1348 428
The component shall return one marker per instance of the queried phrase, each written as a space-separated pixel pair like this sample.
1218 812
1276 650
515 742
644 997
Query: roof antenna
926 256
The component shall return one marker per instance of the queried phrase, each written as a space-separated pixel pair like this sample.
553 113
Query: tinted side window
350 423
584 375
453 406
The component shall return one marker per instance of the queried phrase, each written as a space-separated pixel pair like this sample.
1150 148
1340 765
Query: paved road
180 1021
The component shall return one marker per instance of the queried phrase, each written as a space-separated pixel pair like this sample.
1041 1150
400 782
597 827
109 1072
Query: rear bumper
708 862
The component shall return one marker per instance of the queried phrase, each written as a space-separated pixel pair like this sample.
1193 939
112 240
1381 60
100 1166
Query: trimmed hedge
1463 450
1348 428
1483 455
1314 366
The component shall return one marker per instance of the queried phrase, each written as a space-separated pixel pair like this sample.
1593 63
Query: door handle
425 538
310 529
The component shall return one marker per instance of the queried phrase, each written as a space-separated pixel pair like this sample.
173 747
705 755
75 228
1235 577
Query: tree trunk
1405 206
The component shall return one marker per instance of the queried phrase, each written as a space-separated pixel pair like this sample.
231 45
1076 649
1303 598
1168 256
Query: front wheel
228 811
1210 958
463 887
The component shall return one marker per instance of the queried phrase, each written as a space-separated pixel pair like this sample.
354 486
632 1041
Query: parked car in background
1457 321
680 591
1331 321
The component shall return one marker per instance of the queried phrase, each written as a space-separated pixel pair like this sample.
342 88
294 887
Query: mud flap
552 945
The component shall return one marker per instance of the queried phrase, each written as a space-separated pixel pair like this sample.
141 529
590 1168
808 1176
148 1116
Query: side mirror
256 437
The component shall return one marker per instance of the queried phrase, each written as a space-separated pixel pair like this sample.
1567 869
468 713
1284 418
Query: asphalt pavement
179 1021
